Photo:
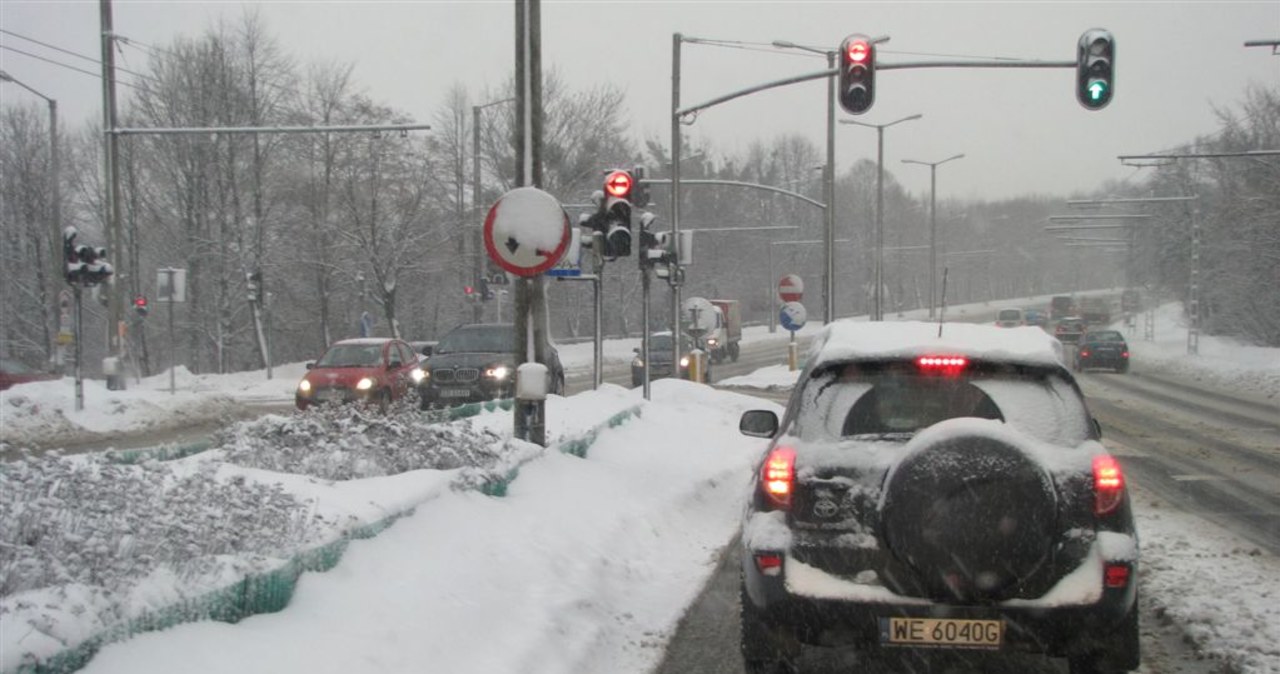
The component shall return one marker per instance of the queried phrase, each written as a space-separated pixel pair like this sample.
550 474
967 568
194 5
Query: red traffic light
140 302
858 51
618 184
468 290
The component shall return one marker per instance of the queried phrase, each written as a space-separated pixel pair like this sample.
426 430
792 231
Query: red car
374 370
12 372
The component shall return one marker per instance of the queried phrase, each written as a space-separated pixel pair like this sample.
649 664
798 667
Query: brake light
1084 354
1124 354
1108 484
1114 575
778 475
949 365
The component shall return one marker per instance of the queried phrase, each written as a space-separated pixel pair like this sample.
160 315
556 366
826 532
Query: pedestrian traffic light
140 306
857 74
618 186
469 292
1095 69
482 289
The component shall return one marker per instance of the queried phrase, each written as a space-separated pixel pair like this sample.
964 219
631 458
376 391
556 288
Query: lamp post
878 307
828 182
477 311
933 222
55 212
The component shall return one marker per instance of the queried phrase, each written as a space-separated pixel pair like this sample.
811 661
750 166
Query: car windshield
14 367
1010 314
896 400
479 339
351 355
663 343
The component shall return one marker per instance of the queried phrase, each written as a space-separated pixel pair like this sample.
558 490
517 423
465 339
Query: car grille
466 374
444 376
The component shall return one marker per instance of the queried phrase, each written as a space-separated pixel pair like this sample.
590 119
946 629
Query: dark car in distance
660 359
1069 330
1102 349
924 496
477 362
376 370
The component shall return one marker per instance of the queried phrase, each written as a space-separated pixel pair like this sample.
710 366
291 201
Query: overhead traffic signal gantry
857 74
1095 69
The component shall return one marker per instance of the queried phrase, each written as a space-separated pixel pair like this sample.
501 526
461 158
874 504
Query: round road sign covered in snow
526 232
790 288
792 317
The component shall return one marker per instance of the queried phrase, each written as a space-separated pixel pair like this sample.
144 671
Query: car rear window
1010 315
897 400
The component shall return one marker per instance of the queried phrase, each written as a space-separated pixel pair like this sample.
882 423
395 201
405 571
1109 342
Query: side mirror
310 365
758 423
426 350
1097 427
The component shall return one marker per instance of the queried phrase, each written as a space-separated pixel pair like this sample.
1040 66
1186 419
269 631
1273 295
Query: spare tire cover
971 515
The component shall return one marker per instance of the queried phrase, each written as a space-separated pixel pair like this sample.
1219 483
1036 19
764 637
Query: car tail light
769 563
942 364
1108 484
1124 354
778 475
1084 353
1114 575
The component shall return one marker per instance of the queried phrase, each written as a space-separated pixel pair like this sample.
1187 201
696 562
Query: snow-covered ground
584 565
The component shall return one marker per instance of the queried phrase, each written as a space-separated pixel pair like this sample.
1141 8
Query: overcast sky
1021 130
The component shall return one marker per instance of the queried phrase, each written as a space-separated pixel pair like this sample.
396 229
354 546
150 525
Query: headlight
364 384
418 375
711 341
498 372
684 361
304 386
637 362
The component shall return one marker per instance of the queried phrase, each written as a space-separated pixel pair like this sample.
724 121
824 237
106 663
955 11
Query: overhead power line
64 65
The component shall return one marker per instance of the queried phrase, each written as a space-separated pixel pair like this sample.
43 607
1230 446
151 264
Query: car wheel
762 651
734 352
384 401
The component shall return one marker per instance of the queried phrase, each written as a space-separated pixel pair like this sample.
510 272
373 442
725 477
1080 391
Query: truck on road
722 341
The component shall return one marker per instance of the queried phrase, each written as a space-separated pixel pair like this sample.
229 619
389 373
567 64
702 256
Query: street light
477 311
878 308
55 213
828 182
933 223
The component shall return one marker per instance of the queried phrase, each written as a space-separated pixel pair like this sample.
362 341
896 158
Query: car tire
734 352
1120 653
383 401
762 650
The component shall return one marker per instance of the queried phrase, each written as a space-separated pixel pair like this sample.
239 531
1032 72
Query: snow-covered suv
937 492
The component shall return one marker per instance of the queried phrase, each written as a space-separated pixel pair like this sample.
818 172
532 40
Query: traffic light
253 285
469 292
140 306
616 223
857 74
73 267
482 288
1095 69
85 265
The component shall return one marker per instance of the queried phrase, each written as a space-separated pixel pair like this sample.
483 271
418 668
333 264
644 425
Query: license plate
941 632
329 394
454 393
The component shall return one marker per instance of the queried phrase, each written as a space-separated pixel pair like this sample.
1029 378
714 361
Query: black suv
925 493
1102 348
478 362
660 359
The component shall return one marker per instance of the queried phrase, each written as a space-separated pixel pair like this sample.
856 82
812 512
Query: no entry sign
790 288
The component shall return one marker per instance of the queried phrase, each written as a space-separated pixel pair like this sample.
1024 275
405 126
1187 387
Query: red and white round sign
790 288
526 231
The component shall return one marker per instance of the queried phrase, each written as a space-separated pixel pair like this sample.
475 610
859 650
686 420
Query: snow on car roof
847 340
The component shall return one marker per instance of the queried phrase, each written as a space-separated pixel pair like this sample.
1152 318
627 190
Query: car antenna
942 310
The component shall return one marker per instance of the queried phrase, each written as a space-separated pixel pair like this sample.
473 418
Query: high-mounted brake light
1108 484
942 363
778 475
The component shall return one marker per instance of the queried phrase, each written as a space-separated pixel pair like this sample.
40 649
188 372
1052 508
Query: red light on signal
140 302
618 184
858 51
468 290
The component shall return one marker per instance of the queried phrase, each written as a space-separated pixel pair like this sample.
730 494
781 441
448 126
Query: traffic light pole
78 292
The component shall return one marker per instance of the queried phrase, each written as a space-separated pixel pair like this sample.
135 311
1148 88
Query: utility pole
933 223
111 167
676 148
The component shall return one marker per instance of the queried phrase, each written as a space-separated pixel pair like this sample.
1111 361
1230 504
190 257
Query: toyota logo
825 508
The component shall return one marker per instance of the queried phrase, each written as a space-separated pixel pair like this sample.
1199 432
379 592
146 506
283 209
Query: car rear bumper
1057 631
